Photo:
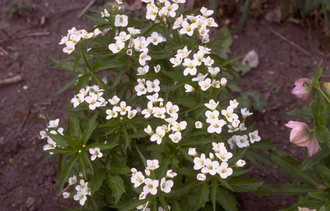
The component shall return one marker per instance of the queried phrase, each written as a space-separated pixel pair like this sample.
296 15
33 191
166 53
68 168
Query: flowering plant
314 171
164 132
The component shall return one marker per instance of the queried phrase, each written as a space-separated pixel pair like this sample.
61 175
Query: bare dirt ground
27 184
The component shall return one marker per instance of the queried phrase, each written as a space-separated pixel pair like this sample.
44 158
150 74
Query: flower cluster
169 113
217 163
82 190
119 107
150 183
91 95
201 23
161 9
52 128
74 36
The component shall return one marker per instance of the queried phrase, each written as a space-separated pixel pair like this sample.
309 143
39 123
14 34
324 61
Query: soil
29 184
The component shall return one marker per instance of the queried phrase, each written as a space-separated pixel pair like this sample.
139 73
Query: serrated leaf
321 133
203 195
116 184
91 125
96 180
119 168
64 175
315 159
304 113
226 200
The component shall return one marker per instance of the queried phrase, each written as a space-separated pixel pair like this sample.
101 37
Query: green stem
324 95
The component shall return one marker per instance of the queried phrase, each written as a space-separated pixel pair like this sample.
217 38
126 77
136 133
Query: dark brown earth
28 184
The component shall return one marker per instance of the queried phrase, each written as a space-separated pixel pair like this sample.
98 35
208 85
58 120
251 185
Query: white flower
123 36
175 137
72 180
137 179
201 177
66 195
178 126
233 141
212 116
121 20
210 167
142 196
212 105
122 108
216 126
81 197
150 186
192 152
166 185
53 123
224 155
111 114
114 100
205 84
143 207
240 163
96 153
157 68
143 70
105 13
213 71
189 88
205 12
131 113
245 112
158 136
199 162
132 31
152 11
70 46
170 174
223 81
116 47
144 57
149 130
224 171
153 164
198 124
233 104
155 38
190 67
254 137
242 141
51 145
140 89
229 114
159 112
153 86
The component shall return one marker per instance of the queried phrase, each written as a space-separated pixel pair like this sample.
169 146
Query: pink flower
302 90
302 136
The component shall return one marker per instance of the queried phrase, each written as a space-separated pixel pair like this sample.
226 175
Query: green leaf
303 113
64 175
318 73
254 156
129 206
311 204
264 145
259 101
226 200
96 180
244 184
188 101
315 159
67 86
318 108
324 173
322 196
83 81
104 146
291 167
86 160
116 184
203 195
116 167
163 202
225 40
322 134
266 190
242 68
118 78
91 125
214 189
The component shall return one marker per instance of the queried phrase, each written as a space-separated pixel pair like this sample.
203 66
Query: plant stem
324 95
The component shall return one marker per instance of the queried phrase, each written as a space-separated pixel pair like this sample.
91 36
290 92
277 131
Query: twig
23 121
86 8
26 35
290 42
4 51
12 80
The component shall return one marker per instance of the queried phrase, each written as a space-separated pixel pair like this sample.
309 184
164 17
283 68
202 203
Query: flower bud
302 90
302 136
